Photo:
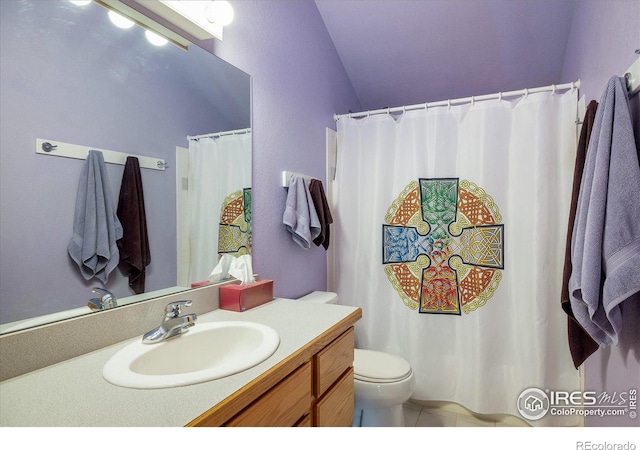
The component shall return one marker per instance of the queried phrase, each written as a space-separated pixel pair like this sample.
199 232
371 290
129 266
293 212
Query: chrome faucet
106 300
173 324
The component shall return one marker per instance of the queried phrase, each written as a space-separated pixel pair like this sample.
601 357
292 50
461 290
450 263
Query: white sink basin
208 351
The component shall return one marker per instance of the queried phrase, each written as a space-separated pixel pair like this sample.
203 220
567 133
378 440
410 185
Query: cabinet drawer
332 361
335 409
282 406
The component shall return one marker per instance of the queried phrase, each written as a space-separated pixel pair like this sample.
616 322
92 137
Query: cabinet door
305 421
332 361
335 409
282 406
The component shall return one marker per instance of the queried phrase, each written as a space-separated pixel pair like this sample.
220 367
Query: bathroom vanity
308 381
312 388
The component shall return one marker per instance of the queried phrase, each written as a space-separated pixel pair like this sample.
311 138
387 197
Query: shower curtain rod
219 134
459 101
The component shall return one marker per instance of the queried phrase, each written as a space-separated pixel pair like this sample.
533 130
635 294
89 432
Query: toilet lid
380 367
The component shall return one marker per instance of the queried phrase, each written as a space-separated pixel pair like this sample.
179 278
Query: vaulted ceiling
404 52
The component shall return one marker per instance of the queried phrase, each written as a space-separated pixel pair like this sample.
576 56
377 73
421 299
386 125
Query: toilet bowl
382 381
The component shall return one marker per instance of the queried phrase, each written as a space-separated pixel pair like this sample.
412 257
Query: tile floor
441 414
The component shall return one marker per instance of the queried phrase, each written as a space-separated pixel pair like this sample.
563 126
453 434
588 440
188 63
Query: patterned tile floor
437 414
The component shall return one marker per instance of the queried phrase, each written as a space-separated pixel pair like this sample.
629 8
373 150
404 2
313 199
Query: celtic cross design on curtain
234 233
443 246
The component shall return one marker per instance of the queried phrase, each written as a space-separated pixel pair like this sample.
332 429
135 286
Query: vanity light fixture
154 38
160 33
80 2
120 21
201 19
220 12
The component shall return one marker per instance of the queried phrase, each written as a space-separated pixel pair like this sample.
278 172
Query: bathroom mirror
68 74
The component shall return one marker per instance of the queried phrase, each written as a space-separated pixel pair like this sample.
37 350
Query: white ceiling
403 52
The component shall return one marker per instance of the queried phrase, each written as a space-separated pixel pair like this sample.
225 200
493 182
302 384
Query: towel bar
286 177
54 148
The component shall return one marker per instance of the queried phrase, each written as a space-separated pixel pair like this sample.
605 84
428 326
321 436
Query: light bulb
120 21
155 39
219 12
80 2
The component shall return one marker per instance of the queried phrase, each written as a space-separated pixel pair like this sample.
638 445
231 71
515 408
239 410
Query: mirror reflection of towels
135 255
96 227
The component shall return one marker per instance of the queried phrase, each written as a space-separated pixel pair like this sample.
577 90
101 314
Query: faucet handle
174 309
101 292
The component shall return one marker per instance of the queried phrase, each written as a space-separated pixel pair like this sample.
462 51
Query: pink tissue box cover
234 297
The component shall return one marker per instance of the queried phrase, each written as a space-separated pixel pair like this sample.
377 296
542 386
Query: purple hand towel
605 250
300 217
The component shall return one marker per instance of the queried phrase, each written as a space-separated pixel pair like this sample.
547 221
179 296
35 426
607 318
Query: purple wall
604 35
298 83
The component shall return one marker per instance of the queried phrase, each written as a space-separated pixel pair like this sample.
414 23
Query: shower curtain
219 170
450 232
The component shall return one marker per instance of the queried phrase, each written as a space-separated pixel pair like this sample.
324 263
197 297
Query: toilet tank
321 297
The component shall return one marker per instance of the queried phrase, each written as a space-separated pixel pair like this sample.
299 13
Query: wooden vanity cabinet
312 387
284 405
333 383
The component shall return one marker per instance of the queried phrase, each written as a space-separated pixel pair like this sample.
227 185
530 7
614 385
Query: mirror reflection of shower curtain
209 187
450 234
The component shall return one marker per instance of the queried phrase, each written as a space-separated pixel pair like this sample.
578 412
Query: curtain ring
573 86
499 96
526 93
554 88
449 103
473 100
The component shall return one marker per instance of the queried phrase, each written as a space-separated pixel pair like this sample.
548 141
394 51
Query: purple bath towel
605 251
96 227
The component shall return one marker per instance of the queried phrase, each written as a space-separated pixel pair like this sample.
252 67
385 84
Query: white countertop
73 393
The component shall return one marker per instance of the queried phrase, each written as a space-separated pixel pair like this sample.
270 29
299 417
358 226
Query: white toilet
383 382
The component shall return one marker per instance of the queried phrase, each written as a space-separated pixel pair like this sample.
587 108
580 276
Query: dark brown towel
134 245
324 213
581 344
